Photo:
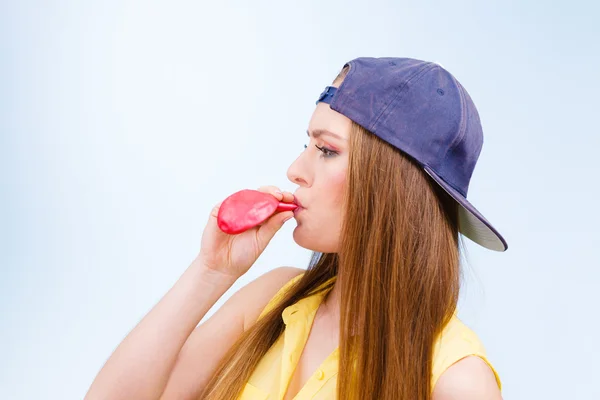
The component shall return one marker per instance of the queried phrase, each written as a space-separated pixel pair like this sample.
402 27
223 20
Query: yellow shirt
270 379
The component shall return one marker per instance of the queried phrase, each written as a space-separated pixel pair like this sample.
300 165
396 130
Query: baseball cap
421 109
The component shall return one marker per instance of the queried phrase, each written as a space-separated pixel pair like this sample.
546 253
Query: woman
383 195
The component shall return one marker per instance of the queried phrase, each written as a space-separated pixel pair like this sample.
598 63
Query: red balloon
248 208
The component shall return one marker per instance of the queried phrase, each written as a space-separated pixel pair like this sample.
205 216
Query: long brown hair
398 267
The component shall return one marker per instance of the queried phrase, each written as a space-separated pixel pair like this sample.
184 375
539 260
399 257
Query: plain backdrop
122 123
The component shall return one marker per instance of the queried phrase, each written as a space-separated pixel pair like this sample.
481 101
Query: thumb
215 210
213 218
269 229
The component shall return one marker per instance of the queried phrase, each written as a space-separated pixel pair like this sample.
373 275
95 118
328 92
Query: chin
313 243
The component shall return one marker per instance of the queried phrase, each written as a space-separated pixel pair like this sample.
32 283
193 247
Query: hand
233 255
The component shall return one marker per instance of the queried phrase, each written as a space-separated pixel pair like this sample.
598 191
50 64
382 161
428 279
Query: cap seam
337 101
462 128
400 92
445 180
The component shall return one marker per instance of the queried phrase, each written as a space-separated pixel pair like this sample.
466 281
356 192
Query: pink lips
299 204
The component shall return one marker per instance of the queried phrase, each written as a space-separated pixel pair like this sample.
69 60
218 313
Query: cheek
338 185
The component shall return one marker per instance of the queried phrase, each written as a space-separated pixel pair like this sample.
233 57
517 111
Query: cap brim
470 221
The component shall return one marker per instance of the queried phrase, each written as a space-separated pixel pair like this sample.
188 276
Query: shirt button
320 374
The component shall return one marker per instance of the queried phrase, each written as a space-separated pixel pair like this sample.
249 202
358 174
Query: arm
468 379
210 341
141 364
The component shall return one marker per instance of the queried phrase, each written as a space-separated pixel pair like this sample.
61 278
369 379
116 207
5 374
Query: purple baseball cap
422 110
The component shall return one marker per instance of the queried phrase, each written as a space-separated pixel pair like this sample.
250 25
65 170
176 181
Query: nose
296 173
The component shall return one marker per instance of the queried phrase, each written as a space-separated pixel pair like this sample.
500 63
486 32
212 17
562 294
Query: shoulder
264 288
468 379
461 366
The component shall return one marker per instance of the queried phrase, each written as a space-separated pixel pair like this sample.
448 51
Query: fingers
271 189
286 197
271 226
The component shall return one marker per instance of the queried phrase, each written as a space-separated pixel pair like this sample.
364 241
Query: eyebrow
318 132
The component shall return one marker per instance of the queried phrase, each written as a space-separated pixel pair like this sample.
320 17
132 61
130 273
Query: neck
331 303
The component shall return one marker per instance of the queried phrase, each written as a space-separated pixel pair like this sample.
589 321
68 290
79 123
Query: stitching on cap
444 179
334 102
463 120
416 75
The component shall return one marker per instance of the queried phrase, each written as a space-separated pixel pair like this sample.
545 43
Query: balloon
248 208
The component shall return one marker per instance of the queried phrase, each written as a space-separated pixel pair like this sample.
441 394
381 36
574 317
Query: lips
297 202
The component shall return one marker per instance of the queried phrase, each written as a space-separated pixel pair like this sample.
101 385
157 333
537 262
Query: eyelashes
326 152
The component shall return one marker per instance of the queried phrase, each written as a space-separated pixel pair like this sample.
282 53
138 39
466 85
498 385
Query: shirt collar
306 306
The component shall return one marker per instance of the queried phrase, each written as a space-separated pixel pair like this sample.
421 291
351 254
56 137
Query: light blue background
123 122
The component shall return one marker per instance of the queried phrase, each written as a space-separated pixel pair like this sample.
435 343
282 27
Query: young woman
382 188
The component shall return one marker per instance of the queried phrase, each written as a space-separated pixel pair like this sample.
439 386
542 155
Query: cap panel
412 122
366 92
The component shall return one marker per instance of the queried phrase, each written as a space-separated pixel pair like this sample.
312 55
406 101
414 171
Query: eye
326 152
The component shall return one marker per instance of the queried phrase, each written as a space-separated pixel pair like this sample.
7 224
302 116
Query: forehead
324 118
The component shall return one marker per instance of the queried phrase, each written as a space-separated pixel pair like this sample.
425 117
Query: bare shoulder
468 379
258 292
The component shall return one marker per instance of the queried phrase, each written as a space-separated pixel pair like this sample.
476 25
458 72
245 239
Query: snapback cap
422 110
